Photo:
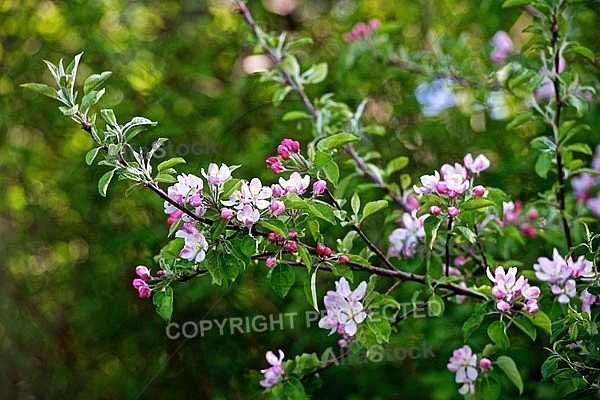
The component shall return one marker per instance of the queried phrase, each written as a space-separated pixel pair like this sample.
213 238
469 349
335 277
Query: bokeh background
71 325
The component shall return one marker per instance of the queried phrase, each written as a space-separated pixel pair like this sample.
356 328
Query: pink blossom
478 191
319 187
374 24
270 262
411 203
174 217
290 145
593 205
502 47
143 272
564 292
582 184
532 215
187 190
275 373
404 240
464 363
292 234
429 183
276 190
435 210
528 230
460 260
277 207
480 163
217 175
195 244
292 246
508 288
144 292
283 152
485 364
510 211
587 300
247 215
137 282
227 213
344 309
296 183
453 211
275 165
342 343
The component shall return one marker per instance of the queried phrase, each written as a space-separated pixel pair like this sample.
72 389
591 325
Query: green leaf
515 3
212 263
583 51
435 304
274 225
295 115
104 182
467 233
335 141
109 116
90 156
342 270
282 279
291 66
543 164
170 163
507 365
316 74
374 206
396 164
332 172
355 202
519 119
91 98
431 226
165 178
135 126
380 327
163 300
323 211
526 325
541 320
313 291
42 89
305 257
579 148
488 389
279 95
497 332
548 367
95 80
476 203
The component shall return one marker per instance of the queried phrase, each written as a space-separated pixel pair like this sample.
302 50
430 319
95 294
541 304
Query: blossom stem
447 252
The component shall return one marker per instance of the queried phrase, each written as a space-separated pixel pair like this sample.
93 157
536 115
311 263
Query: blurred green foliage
72 326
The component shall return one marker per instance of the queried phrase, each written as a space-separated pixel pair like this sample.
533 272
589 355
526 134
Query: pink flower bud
291 145
144 292
276 190
174 217
160 273
226 213
142 272
532 215
532 306
270 262
319 186
291 246
292 234
272 237
342 343
412 203
277 207
502 305
460 260
453 211
137 283
374 24
435 210
282 151
277 167
319 249
343 259
485 364
327 252
478 191
528 230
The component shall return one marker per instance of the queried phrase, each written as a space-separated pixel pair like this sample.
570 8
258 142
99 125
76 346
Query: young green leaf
508 366
163 300
42 89
95 80
497 332
104 182
374 206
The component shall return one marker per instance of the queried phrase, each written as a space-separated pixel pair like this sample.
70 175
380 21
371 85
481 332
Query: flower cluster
404 240
453 181
288 149
344 310
275 373
513 215
502 47
361 30
509 290
561 274
278 239
142 283
250 201
464 363
584 185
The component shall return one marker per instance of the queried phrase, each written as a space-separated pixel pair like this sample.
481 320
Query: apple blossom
587 299
435 210
404 240
295 184
277 207
275 373
217 175
143 272
485 364
291 246
344 309
144 292
478 191
270 262
195 244
464 363
453 211
319 187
